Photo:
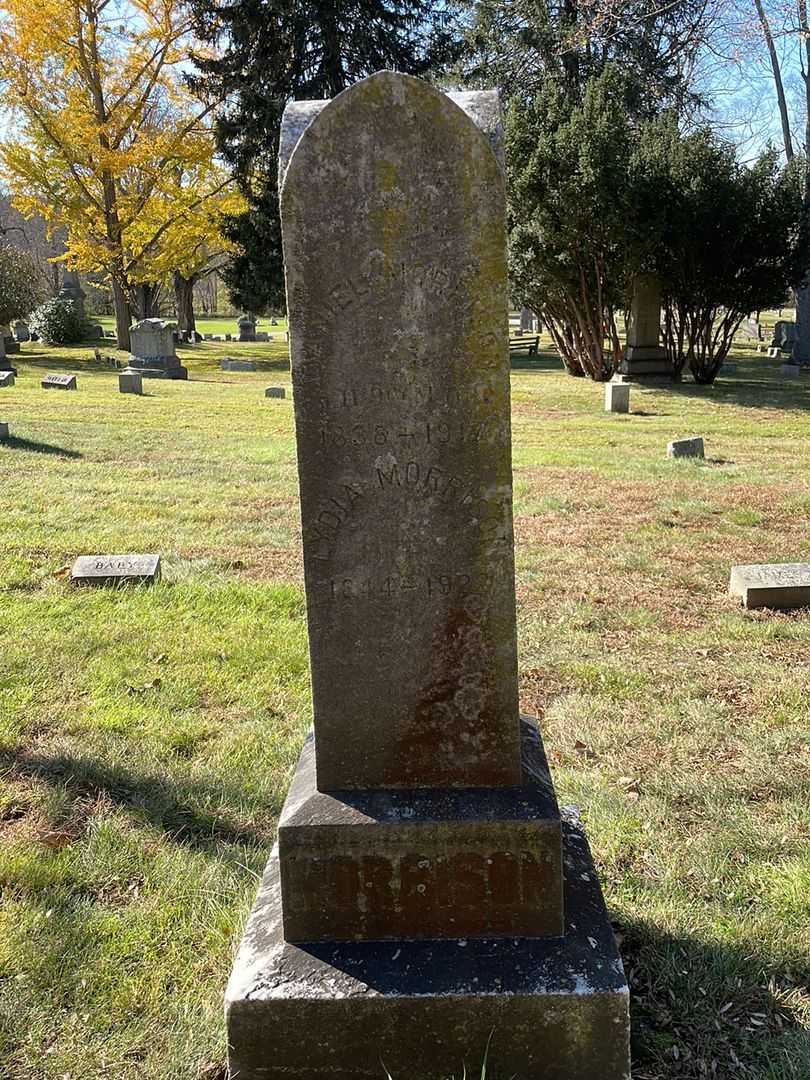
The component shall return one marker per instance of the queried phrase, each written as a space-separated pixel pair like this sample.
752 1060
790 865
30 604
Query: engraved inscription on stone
394 239
115 569
59 382
774 585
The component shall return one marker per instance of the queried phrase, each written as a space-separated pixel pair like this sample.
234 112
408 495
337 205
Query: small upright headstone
262 335
275 392
415 906
6 378
247 328
154 349
115 569
21 331
685 448
617 397
784 336
130 381
59 382
3 432
772 585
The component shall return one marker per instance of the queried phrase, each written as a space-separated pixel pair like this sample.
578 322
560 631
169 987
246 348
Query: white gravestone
774 585
115 569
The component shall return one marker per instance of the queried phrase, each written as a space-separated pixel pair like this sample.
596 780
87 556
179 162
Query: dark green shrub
58 322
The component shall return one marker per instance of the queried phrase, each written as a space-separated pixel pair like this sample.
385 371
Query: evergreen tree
269 52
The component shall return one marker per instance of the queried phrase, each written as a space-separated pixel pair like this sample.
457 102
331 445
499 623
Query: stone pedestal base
155 367
646 363
551 1009
422 863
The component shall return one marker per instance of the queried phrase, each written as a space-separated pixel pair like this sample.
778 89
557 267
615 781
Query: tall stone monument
424 898
644 356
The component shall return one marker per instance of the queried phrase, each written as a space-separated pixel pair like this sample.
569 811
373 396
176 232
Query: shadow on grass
15 443
754 393
546 360
704 1009
167 803
46 361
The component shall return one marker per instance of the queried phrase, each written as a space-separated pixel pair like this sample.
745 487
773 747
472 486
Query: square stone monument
153 350
424 898
644 357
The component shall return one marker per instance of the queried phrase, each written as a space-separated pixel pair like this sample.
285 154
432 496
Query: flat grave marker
227 364
781 586
116 569
59 382
6 378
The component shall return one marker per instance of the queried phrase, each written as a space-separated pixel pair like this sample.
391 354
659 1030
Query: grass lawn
212 324
147 736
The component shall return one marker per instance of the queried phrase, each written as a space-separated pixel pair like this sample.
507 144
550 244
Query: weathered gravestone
5 363
416 905
153 350
784 336
21 331
130 381
6 378
644 356
3 432
275 392
59 382
247 328
617 397
774 585
229 364
115 569
686 448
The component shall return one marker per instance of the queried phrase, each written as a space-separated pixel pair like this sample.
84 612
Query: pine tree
268 52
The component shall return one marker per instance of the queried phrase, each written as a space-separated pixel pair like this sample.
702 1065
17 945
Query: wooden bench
528 345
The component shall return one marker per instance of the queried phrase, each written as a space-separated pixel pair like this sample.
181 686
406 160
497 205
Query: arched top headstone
393 219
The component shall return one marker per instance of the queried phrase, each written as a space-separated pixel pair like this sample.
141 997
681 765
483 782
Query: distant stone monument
644 357
772 585
247 328
72 290
425 898
153 350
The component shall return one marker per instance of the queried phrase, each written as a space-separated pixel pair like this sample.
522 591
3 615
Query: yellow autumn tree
107 142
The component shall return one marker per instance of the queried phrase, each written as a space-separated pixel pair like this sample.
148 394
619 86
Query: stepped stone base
422 863
155 367
646 362
552 1009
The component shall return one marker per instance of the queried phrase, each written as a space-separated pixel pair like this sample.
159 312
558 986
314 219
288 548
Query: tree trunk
145 300
122 319
184 303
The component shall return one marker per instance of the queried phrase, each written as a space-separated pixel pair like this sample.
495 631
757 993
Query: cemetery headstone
21 331
3 432
116 569
728 368
772 585
10 344
228 364
130 381
262 335
790 371
275 392
685 448
5 363
416 904
72 290
644 356
6 378
784 336
617 397
247 328
153 350
59 382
